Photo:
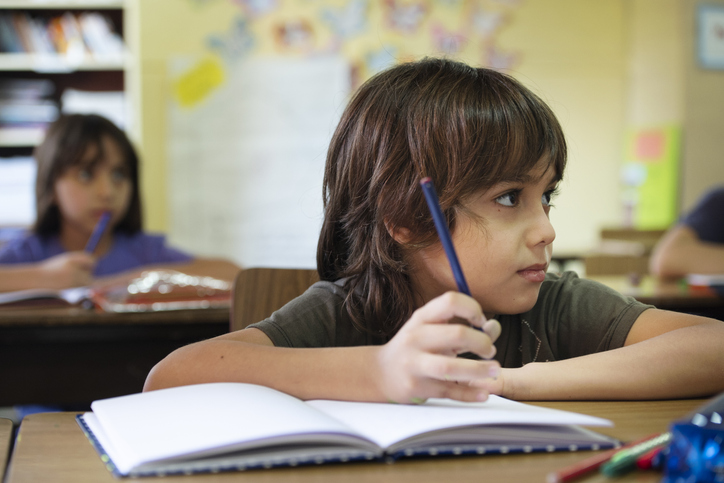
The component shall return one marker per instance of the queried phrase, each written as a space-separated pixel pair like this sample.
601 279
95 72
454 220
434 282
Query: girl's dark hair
466 128
66 142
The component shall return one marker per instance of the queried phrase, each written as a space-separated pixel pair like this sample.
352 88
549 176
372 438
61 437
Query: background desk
6 433
51 447
75 356
668 294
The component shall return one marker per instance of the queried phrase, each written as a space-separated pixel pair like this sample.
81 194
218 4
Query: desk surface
51 447
665 294
6 433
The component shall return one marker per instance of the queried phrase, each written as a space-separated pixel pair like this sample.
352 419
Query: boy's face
84 191
503 244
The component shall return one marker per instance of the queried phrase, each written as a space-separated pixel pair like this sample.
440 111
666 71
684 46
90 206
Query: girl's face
504 248
95 185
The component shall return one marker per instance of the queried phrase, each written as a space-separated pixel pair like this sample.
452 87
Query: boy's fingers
492 328
447 306
454 339
458 392
450 369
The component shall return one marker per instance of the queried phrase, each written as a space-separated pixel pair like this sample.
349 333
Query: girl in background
379 326
88 167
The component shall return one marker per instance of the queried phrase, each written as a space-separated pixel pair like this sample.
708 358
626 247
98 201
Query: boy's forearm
328 373
686 362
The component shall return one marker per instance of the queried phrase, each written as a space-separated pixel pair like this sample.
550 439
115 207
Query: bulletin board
250 122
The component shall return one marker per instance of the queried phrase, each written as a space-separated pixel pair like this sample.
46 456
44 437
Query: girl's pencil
95 237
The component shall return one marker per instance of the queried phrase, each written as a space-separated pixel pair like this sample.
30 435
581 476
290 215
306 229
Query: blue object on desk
696 453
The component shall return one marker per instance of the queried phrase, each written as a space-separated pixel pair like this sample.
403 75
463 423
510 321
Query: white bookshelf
17 137
15 64
60 64
61 4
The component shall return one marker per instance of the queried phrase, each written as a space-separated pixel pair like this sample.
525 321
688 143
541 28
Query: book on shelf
235 426
69 34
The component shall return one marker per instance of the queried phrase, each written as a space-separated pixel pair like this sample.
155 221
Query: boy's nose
543 231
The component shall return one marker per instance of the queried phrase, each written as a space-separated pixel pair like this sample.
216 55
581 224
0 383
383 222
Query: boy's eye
85 174
508 199
548 196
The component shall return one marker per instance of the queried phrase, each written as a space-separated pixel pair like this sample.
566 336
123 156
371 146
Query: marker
625 460
588 465
443 232
95 237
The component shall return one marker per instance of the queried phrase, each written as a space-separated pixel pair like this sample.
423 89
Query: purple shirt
127 252
707 218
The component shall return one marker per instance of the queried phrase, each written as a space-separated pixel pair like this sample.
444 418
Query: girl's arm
681 252
418 363
71 269
666 355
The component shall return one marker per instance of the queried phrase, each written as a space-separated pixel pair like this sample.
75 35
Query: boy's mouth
534 273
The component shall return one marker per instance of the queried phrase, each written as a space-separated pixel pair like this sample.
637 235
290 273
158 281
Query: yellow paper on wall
198 82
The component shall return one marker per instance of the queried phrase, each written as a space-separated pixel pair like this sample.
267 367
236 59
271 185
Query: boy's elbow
159 377
153 379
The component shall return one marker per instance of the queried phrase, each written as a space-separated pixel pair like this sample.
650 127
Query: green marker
625 460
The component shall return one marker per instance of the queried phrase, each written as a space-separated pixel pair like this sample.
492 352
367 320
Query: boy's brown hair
66 142
466 128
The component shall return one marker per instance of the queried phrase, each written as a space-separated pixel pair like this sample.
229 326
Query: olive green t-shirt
572 317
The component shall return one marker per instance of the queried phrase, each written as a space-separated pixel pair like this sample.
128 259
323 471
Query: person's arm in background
680 251
696 243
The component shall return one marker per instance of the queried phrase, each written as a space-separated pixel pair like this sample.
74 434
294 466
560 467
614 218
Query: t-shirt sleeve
584 316
707 217
314 319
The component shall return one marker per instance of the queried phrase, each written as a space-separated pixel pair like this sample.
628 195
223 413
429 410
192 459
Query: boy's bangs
514 133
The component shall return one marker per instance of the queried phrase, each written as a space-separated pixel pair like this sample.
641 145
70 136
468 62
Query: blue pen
444 233
95 237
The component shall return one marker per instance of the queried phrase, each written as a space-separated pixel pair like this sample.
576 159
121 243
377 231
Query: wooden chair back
258 292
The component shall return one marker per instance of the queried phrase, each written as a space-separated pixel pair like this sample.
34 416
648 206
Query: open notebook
232 426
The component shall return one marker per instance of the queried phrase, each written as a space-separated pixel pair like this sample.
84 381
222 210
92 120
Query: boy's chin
517 306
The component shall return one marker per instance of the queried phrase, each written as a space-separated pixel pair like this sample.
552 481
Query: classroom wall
703 143
601 65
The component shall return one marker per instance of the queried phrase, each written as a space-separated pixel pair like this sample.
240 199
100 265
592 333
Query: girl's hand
421 360
72 269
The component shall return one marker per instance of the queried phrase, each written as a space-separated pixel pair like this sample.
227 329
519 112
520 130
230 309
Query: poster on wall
247 146
711 36
650 177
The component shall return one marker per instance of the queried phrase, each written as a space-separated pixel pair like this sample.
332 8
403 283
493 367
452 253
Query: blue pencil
444 233
95 237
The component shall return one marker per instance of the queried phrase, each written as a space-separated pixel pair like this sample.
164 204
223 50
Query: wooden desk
72 356
51 447
6 434
668 294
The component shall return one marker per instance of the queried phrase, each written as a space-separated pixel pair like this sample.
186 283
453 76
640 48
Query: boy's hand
421 360
72 269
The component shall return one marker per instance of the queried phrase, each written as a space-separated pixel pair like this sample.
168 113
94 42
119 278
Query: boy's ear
398 233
